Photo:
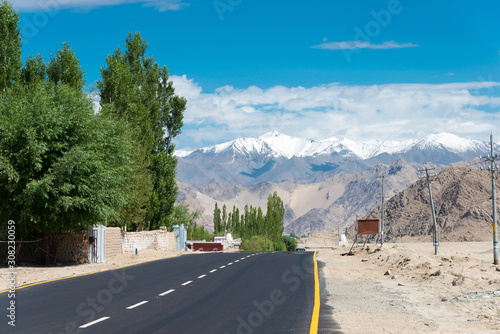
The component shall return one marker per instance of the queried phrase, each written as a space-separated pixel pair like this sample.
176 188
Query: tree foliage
10 46
217 219
64 167
258 231
183 215
61 166
134 88
34 70
64 67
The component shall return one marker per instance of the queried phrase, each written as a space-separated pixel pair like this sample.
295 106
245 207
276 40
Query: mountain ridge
277 158
282 145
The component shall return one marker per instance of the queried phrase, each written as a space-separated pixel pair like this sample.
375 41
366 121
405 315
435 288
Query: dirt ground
397 288
405 288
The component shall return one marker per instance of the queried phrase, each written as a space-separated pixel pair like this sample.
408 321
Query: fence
95 246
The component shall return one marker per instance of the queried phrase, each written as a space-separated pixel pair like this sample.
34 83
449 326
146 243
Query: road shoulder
405 288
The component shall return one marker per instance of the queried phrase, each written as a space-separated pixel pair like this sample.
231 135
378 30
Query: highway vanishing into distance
223 293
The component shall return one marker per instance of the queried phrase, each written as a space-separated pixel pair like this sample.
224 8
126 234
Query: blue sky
357 69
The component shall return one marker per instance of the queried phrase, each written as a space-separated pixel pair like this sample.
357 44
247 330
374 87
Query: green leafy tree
10 46
133 87
290 243
138 185
258 231
275 216
217 219
247 217
34 70
236 219
183 215
224 218
198 232
61 166
164 190
64 67
261 222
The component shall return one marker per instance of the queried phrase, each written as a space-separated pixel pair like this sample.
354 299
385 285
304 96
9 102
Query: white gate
97 241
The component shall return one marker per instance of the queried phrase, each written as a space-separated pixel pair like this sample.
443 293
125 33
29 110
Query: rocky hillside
462 199
325 206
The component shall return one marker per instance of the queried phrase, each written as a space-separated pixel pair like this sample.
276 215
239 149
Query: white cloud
391 111
351 45
54 5
186 87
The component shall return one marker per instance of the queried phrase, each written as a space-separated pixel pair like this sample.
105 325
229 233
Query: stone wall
75 247
70 247
158 239
64 247
171 241
113 242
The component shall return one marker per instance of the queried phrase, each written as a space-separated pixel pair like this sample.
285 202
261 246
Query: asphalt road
222 293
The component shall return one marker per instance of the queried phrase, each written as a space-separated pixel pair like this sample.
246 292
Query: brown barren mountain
326 206
463 205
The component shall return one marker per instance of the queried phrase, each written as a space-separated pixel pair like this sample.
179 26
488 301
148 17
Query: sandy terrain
456 291
405 288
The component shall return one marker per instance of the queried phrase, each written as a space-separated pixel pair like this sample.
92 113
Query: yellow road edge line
86 274
315 315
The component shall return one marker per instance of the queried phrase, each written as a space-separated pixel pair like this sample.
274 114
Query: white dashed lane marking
166 292
136 305
94 322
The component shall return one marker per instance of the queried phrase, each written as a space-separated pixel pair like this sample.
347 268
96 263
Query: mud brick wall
165 240
113 242
70 247
138 240
171 241
158 239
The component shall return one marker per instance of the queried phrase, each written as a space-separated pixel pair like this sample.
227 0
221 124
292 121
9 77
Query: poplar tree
34 70
217 220
133 87
64 67
10 46
275 216
224 218
62 166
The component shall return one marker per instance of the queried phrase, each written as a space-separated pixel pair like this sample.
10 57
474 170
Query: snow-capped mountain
447 141
276 157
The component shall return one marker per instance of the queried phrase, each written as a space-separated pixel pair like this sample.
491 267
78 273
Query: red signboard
368 226
208 246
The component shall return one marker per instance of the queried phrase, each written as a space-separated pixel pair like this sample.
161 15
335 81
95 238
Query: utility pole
436 234
356 231
493 169
382 218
